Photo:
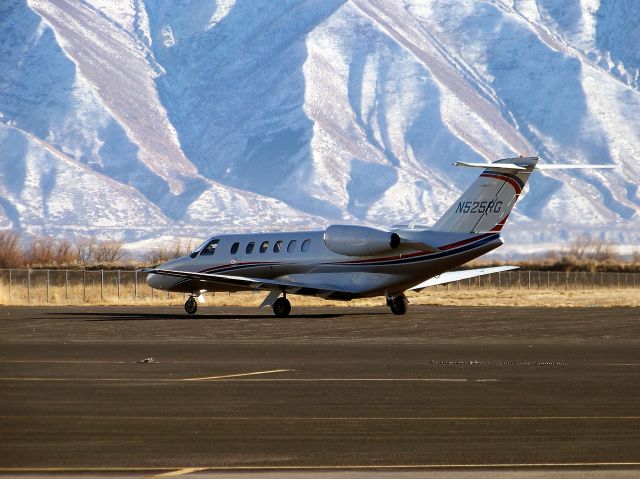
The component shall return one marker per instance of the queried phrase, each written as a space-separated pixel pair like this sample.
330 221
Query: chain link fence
61 286
56 286
556 280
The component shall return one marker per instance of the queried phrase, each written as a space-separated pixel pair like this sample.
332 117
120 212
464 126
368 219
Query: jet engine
359 240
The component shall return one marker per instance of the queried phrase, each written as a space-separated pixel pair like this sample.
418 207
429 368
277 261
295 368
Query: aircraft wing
292 287
451 276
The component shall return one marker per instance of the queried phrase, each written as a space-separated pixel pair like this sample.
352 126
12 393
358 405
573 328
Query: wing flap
451 276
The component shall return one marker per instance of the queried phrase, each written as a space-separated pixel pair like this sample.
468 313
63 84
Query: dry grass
74 295
532 297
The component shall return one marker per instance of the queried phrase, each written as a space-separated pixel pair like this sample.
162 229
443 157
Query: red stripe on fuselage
361 261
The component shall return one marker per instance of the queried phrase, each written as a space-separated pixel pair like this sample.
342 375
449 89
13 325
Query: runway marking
321 467
181 472
210 378
43 361
334 418
234 378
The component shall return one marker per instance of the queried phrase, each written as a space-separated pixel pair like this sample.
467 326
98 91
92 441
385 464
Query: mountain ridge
186 118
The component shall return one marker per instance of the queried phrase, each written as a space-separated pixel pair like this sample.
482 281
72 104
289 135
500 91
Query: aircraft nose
157 281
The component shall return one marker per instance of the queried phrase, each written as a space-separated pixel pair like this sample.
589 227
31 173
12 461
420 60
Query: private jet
345 262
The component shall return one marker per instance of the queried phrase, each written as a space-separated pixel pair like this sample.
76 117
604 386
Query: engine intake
352 240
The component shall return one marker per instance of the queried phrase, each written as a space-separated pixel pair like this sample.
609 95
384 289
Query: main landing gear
281 307
398 304
191 306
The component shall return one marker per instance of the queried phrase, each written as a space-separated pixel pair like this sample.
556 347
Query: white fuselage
303 257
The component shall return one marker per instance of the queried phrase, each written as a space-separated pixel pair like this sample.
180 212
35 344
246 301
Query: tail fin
486 204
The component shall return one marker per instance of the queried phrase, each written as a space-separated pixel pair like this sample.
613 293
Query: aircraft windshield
195 252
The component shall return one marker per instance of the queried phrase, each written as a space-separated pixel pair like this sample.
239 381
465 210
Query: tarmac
328 392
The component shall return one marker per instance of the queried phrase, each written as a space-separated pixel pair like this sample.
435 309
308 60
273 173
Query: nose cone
157 281
162 281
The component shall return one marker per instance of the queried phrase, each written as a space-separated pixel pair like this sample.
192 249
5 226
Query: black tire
399 305
191 306
281 307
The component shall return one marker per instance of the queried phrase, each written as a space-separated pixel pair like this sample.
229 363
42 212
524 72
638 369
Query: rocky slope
137 119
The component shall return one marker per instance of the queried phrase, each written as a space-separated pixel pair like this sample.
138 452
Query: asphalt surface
361 390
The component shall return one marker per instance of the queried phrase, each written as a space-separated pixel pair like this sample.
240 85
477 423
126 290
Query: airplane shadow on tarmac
181 317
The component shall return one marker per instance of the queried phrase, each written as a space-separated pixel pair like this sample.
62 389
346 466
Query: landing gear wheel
191 306
281 307
399 305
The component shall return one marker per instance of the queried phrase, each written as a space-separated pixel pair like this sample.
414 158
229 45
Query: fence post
135 285
29 285
529 279
47 297
499 283
101 285
84 285
118 285
66 285
10 283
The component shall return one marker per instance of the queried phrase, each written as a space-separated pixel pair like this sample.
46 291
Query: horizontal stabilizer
493 166
555 166
451 276
539 166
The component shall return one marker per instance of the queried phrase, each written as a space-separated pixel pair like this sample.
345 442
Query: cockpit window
277 247
250 246
264 246
210 249
195 252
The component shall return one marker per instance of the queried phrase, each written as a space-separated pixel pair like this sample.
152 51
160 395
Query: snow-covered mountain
138 119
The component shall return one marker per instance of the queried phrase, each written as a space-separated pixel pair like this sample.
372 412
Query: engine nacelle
352 240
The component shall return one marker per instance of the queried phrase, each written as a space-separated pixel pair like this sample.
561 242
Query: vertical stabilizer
486 204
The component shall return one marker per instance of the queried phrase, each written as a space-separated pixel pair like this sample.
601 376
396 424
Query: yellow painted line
256 373
181 472
323 467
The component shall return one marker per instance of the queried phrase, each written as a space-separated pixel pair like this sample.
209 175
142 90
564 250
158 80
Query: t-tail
486 204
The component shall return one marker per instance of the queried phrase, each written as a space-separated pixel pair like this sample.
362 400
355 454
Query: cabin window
277 247
210 249
292 246
250 246
264 246
234 248
305 245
